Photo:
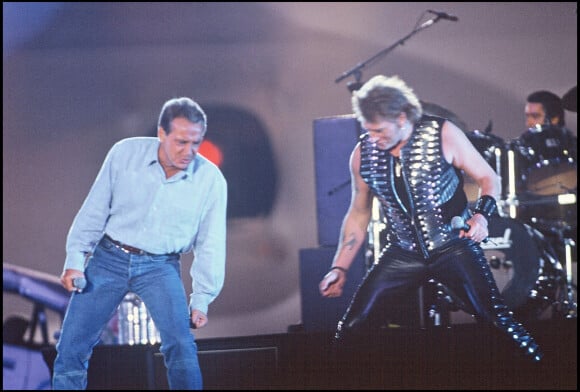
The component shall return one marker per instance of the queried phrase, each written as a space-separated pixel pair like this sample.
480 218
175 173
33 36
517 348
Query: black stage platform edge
466 356
462 357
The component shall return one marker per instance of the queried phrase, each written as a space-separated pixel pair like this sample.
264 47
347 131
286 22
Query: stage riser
463 357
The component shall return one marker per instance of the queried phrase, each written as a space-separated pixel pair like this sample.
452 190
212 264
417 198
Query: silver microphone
458 223
80 283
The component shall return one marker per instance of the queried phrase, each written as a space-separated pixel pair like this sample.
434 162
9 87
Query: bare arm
460 152
353 232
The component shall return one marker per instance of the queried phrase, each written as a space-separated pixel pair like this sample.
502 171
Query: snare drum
547 157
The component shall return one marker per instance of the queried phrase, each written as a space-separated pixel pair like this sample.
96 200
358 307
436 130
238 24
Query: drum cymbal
437 110
569 100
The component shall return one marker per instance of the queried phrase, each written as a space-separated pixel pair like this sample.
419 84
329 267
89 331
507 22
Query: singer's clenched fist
332 283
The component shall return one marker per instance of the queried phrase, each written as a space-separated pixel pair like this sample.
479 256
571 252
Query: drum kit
532 243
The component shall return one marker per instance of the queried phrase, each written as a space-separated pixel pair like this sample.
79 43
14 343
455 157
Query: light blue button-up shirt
133 202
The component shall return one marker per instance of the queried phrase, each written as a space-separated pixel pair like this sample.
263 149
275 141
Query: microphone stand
357 69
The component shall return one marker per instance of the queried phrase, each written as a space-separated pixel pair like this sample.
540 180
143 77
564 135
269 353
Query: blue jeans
111 274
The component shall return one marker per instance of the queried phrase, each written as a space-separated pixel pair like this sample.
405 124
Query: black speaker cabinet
334 140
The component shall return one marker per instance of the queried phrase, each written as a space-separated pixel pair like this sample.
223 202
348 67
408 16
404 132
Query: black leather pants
460 266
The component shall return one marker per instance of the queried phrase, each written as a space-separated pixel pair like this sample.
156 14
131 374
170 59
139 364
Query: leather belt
126 248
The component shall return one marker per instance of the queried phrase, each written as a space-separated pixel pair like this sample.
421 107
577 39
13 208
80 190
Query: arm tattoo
349 243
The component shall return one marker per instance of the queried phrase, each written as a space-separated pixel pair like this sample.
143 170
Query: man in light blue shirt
153 200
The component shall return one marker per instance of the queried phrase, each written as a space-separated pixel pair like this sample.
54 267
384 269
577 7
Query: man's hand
198 319
477 228
332 283
67 279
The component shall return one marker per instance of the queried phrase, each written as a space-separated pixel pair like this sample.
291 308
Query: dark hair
551 103
181 107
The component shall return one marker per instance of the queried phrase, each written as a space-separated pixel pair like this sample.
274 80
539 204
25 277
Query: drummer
545 113
544 108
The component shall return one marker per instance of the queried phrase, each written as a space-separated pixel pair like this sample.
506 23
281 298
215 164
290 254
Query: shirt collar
152 158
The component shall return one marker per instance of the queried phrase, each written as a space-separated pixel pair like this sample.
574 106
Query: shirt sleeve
89 223
208 266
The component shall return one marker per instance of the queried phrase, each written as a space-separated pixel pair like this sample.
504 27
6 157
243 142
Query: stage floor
464 356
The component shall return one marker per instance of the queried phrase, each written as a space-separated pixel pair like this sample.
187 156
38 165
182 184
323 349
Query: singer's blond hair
385 97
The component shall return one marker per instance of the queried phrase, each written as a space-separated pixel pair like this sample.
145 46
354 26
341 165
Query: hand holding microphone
79 284
458 223
73 280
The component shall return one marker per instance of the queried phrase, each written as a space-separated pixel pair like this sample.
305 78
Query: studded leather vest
418 216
